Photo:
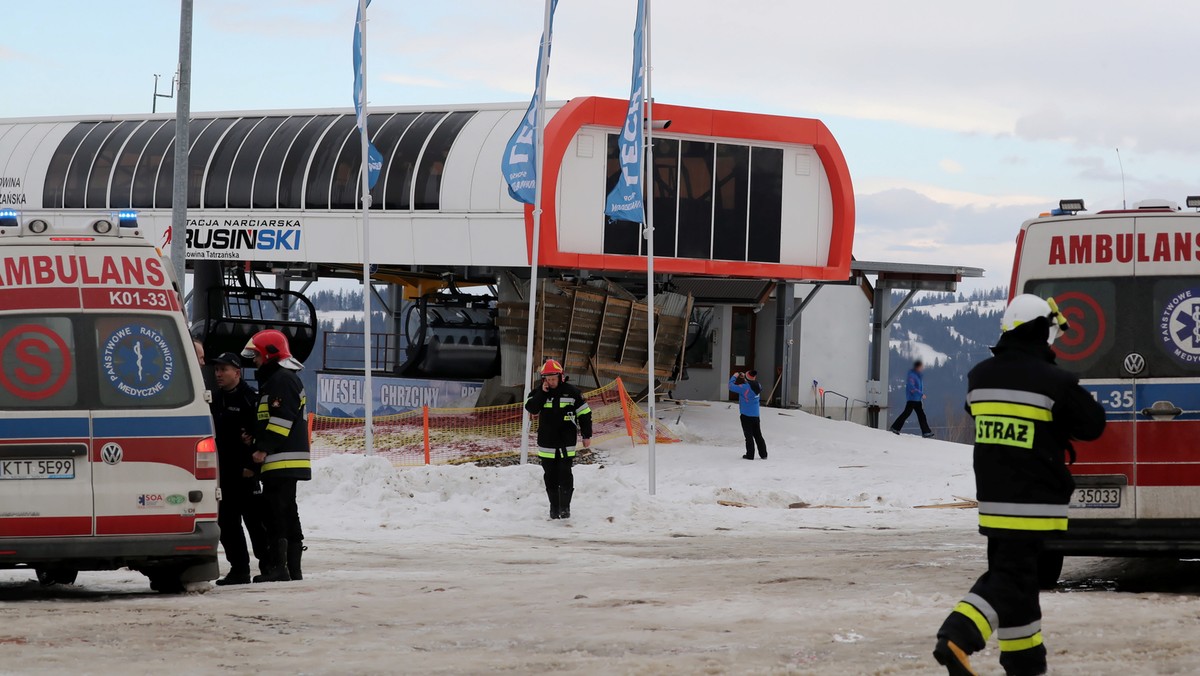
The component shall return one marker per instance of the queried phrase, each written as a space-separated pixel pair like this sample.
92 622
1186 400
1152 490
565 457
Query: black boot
554 510
278 571
564 505
235 577
294 551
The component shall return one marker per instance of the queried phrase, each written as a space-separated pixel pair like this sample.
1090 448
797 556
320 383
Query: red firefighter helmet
552 368
271 345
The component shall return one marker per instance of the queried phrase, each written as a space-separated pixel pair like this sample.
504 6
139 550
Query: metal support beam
804 303
783 340
900 307
386 308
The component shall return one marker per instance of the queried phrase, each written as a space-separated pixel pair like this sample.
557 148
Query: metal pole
368 393
648 203
183 111
543 71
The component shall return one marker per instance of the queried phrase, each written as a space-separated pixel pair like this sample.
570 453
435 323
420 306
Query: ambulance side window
141 362
38 367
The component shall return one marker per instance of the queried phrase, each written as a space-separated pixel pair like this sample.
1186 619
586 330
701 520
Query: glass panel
320 173
142 363
666 187
166 174
620 237
291 176
119 195
385 142
403 163
731 210
1091 306
38 363
695 200
241 177
216 185
145 177
97 187
81 165
344 190
56 173
265 185
766 204
200 155
433 162
699 350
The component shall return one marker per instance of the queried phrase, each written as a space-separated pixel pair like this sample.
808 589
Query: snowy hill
950 334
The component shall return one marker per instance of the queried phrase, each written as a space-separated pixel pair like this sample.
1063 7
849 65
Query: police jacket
282 430
234 412
1026 411
560 411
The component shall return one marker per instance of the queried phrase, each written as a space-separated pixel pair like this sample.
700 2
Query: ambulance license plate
1097 497
54 468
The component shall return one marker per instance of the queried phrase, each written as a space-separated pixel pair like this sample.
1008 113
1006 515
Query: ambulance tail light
206 458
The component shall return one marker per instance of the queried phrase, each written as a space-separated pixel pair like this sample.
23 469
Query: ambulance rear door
150 418
1087 264
1166 365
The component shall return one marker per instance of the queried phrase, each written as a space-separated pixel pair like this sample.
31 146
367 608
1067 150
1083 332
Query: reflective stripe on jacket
282 424
1026 412
561 413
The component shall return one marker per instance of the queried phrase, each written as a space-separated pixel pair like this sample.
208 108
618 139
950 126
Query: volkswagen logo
111 453
1134 363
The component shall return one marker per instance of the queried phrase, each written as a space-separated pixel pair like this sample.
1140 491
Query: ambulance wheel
48 577
1050 565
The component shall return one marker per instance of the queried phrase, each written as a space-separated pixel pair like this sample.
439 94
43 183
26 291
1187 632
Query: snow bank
844 474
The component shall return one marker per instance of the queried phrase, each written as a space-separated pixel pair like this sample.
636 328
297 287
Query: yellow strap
278 429
1013 645
585 409
287 464
1011 410
973 614
1033 523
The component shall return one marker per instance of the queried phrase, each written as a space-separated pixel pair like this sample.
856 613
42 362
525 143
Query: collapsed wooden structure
598 331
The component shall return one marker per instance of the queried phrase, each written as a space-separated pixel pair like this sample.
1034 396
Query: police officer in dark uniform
234 407
281 445
1026 411
561 410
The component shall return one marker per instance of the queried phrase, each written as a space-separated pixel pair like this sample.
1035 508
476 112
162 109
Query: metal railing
846 407
343 350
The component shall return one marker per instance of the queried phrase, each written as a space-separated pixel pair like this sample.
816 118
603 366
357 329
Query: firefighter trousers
1004 601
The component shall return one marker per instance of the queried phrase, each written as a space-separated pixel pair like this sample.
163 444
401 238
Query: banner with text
341 396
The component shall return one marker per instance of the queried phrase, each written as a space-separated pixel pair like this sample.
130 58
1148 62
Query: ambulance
1128 281
107 456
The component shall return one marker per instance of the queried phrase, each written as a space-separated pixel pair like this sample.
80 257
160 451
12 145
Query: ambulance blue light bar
10 218
127 219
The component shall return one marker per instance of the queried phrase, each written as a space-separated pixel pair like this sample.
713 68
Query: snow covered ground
457 570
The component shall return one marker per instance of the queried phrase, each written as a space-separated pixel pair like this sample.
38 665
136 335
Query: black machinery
452 334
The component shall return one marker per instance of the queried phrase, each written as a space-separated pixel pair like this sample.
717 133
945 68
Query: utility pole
183 111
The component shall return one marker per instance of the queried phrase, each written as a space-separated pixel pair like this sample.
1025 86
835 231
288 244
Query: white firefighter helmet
1028 307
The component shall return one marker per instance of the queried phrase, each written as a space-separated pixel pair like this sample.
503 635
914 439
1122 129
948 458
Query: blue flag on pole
519 163
625 201
374 159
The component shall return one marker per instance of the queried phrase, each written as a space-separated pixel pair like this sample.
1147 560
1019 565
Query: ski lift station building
753 214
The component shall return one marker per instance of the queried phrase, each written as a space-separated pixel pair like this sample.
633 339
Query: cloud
950 166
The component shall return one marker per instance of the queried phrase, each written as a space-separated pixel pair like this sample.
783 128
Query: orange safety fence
462 435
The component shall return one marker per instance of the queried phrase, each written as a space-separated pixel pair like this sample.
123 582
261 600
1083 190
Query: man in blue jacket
914 391
746 386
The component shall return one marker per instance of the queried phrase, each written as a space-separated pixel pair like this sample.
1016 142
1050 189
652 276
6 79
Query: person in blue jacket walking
746 386
914 391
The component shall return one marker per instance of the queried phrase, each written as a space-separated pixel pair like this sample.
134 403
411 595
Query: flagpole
648 188
368 398
543 70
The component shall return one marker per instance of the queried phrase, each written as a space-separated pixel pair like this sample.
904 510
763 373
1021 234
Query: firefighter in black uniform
1026 411
281 445
234 404
561 410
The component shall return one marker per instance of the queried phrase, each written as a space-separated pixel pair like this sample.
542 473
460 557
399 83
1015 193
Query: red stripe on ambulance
177 451
145 524
45 526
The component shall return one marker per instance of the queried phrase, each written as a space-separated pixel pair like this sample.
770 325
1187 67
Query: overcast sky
958 120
